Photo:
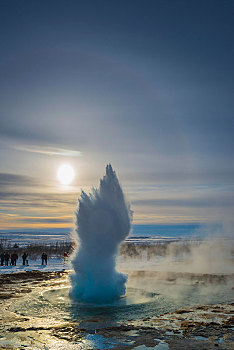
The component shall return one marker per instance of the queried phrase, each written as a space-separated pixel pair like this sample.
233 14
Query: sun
65 174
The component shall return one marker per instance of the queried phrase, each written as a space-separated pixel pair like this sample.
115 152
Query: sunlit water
145 297
137 303
57 304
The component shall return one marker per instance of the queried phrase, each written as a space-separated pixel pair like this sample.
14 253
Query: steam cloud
103 222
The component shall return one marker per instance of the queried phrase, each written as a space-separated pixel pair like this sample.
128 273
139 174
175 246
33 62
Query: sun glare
65 174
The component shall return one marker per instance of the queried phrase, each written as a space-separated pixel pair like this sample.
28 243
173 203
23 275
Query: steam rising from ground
199 269
103 222
209 250
196 256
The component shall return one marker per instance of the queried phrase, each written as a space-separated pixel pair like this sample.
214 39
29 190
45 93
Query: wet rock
183 311
230 321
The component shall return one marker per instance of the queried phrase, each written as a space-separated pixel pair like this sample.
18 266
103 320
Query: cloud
46 219
41 200
20 191
50 151
180 176
33 209
219 201
7 179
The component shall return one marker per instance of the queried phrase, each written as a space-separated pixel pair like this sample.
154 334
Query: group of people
8 258
11 259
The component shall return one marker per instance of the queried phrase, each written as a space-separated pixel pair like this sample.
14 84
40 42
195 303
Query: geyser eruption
103 222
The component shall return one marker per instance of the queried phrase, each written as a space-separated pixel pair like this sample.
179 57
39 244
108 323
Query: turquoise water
138 303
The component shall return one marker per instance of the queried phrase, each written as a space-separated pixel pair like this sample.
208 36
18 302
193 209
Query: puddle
221 340
161 346
169 333
97 341
200 337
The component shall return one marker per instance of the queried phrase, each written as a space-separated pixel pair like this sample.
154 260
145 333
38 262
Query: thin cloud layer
50 151
7 179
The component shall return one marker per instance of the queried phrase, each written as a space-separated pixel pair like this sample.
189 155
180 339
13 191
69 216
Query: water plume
103 221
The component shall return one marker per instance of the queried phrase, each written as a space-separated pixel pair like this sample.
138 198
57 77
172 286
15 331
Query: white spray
103 222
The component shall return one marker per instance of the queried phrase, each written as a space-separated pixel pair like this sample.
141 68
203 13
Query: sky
144 85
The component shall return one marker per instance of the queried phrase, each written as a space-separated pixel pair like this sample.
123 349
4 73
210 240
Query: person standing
24 257
2 258
14 258
11 259
42 258
6 258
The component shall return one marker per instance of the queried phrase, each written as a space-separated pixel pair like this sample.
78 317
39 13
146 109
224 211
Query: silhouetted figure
65 255
6 258
14 258
45 257
24 257
2 258
42 258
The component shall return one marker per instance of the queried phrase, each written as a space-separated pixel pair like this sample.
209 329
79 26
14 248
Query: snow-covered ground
53 264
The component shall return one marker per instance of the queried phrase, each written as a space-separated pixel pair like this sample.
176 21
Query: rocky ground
201 327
